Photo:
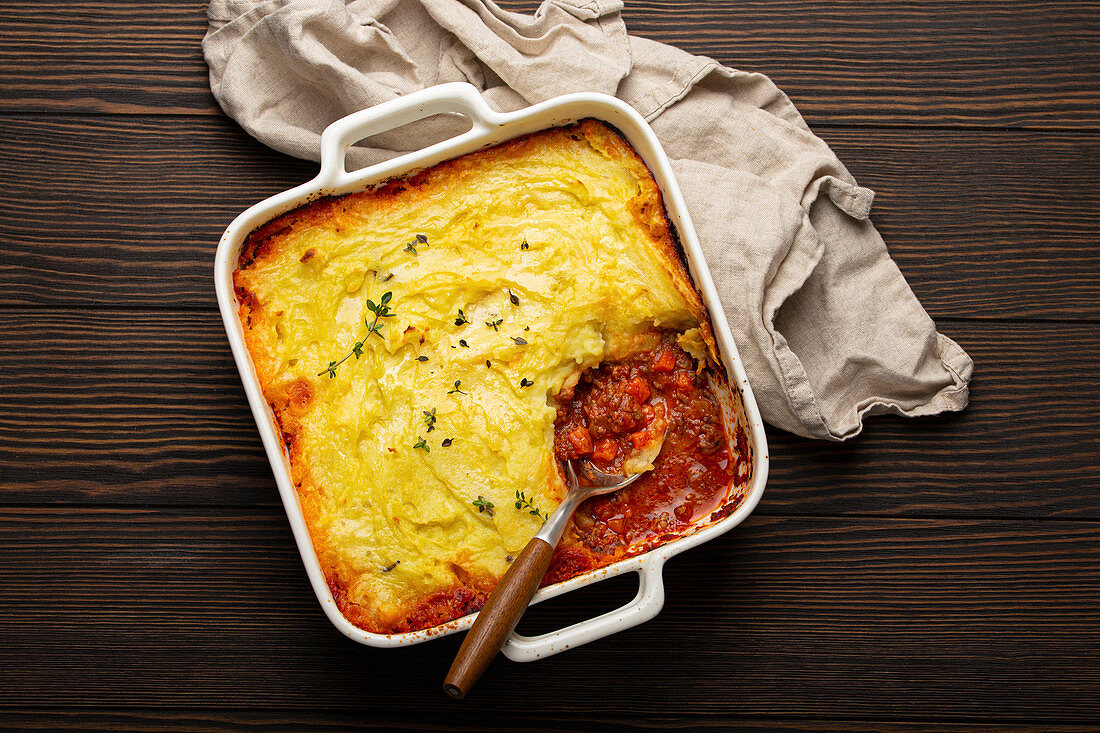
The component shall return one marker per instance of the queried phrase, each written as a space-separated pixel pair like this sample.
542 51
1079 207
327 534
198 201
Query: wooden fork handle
499 617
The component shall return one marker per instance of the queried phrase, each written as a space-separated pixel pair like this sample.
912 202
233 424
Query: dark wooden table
936 574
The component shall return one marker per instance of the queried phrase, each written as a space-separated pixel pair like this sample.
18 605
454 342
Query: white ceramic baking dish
489 127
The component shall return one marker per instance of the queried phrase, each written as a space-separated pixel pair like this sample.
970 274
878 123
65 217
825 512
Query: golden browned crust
648 208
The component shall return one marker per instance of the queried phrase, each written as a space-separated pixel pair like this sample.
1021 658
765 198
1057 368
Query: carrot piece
638 389
666 362
605 450
684 381
581 440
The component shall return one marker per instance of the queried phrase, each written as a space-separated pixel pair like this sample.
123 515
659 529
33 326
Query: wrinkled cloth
827 327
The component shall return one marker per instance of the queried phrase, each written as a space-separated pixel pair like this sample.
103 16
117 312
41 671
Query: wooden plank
126 211
837 618
120 57
935 63
121 407
1026 445
123 211
166 720
986 224
1029 64
126 408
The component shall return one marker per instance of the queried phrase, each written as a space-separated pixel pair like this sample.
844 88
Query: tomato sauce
623 405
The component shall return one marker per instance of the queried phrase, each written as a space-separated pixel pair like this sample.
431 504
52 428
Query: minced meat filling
623 405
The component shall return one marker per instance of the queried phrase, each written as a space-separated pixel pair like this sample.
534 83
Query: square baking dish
487 128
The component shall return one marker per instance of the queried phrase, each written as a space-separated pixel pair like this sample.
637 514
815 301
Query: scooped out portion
616 412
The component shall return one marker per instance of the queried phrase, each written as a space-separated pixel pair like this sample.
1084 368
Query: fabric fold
828 329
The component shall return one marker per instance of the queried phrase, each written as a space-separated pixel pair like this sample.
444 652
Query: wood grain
126 407
125 211
932 575
986 224
1028 63
128 211
801 618
119 57
160 720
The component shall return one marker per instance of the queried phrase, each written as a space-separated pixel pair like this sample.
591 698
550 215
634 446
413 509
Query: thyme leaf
418 239
513 298
520 341
391 566
524 245
447 442
484 505
457 389
525 382
380 310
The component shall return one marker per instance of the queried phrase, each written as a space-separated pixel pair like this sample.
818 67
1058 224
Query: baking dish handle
645 605
456 97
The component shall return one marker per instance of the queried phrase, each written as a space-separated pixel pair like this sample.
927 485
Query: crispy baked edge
288 402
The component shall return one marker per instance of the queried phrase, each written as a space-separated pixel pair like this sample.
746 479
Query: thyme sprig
461 318
422 445
494 324
429 419
484 505
457 389
525 504
524 245
380 310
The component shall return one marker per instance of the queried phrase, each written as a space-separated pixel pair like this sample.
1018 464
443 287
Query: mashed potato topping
490 282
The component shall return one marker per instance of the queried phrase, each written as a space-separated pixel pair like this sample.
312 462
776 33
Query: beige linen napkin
828 329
